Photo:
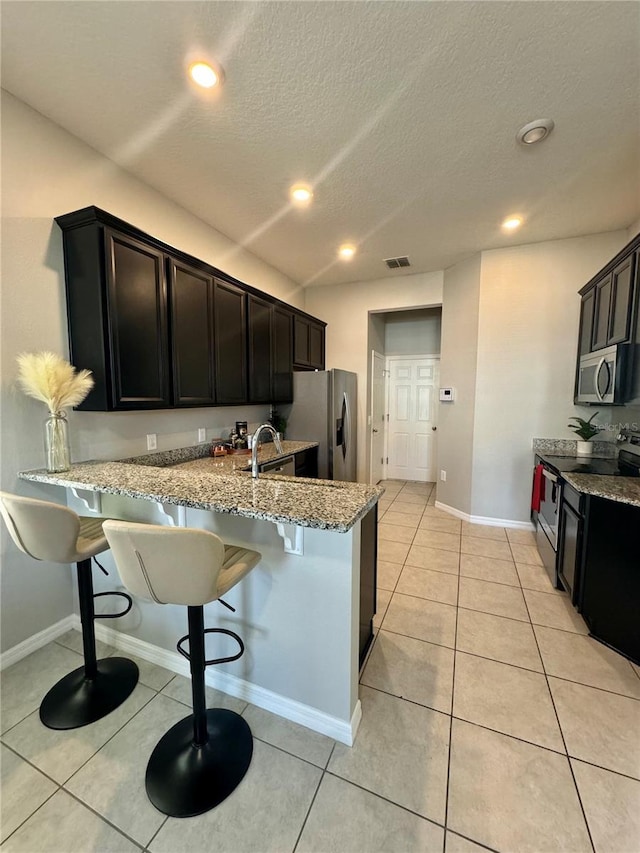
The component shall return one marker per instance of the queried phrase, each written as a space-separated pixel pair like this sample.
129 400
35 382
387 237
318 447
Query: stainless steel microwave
602 376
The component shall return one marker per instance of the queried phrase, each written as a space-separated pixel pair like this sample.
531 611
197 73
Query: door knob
434 428
374 430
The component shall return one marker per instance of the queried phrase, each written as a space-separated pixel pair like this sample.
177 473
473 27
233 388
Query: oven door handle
549 475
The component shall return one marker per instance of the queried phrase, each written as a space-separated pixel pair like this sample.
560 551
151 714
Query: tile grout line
453 687
52 794
155 834
313 799
555 710
508 663
385 799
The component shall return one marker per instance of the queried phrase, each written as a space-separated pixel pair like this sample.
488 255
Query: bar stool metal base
184 780
77 700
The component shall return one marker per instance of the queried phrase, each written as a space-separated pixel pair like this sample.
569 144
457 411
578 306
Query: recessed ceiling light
205 75
535 131
511 223
346 251
301 194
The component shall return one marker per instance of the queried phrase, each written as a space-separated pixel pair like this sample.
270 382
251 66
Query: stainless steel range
547 515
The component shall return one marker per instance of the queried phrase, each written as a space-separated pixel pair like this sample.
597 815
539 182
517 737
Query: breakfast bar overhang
298 611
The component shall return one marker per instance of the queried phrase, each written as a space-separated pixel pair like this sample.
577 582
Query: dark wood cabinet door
586 321
316 346
600 335
621 301
568 568
259 334
610 596
300 341
137 314
191 300
230 335
282 355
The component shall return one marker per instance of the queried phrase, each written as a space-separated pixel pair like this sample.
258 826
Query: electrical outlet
152 441
202 434
443 476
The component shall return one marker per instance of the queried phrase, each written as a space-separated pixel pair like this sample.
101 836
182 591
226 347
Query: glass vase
56 442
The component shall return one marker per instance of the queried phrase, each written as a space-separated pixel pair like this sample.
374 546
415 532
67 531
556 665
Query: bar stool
49 531
204 757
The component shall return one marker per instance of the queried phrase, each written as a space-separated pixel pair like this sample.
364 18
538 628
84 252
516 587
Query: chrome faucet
254 446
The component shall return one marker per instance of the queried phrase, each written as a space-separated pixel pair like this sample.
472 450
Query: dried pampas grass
48 377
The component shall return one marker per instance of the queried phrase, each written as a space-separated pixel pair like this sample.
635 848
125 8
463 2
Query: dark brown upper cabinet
260 349
621 301
610 315
586 321
159 328
308 343
600 333
230 336
192 336
282 355
137 317
117 317
607 306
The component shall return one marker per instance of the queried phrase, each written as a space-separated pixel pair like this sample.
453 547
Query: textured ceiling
402 115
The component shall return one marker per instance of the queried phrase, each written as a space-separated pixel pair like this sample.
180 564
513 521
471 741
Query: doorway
406 341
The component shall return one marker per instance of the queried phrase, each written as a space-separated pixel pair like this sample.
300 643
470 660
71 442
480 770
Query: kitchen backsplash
568 447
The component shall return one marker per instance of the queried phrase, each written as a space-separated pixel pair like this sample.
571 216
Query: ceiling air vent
396 263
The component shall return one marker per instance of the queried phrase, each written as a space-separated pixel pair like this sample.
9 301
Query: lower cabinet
570 541
368 579
609 596
307 463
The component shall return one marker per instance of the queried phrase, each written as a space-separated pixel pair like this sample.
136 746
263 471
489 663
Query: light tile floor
490 721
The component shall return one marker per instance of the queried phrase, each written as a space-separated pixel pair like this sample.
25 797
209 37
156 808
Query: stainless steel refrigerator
324 410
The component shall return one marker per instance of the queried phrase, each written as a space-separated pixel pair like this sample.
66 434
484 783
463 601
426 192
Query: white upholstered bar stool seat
54 533
205 756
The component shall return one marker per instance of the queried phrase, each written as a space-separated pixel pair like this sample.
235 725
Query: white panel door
411 447
378 421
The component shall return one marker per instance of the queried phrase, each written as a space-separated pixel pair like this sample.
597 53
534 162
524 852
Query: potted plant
585 430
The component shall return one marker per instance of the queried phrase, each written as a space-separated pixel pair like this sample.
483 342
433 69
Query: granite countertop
603 483
621 489
163 477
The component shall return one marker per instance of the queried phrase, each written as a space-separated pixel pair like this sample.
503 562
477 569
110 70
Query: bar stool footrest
184 780
124 612
186 654
77 700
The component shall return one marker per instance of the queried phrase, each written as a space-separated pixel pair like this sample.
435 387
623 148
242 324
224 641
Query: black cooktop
582 465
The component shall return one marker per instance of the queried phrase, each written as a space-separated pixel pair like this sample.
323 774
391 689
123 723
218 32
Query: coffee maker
239 440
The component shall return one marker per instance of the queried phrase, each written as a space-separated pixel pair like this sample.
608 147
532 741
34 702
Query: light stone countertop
163 477
624 490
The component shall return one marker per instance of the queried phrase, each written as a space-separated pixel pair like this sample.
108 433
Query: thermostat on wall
446 395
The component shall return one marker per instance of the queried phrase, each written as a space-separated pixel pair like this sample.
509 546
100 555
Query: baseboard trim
484 519
37 641
290 709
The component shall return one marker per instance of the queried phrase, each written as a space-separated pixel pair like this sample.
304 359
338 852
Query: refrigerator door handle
346 424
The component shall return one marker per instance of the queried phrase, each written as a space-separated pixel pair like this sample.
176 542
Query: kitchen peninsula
302 612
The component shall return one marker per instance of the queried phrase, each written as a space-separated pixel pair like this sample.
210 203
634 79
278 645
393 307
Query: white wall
458 371
413 332
47 172
346 310
527 338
